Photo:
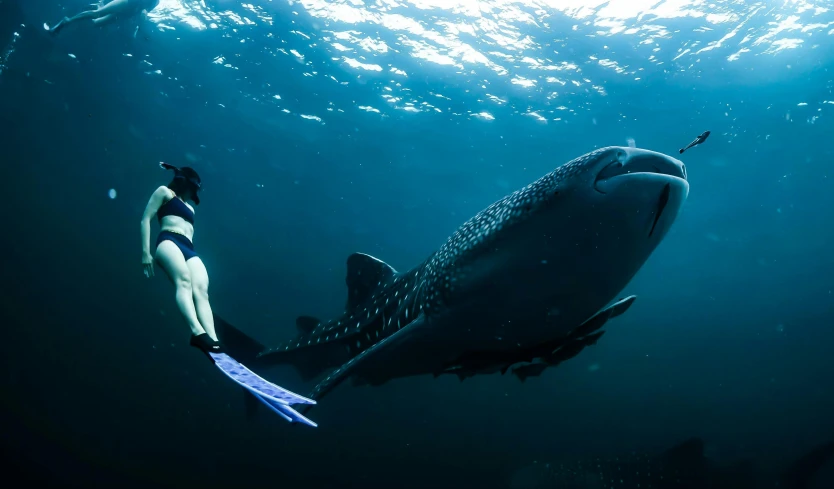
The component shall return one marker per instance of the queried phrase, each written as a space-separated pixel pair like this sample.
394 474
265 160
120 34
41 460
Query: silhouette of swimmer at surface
105 14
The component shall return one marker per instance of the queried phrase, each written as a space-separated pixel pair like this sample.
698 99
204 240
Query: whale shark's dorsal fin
364 275
306 324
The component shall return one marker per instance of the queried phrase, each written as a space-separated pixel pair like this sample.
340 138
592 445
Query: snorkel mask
187 174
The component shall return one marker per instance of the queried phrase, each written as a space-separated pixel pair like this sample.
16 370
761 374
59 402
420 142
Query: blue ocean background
325 127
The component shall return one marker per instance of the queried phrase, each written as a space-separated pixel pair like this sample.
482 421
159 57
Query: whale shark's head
569 241
606 212
637 193
602 217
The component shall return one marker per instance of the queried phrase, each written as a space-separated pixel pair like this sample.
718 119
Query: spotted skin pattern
428 290
399 302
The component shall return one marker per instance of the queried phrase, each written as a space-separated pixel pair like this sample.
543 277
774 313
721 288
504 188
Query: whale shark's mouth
645 164
653 166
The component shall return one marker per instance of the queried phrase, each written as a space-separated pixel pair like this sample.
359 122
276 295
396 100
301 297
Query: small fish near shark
695 142
528 280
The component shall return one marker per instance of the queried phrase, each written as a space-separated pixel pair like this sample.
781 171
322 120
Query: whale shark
527 282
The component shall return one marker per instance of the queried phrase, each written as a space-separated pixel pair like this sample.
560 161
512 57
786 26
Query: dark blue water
324 127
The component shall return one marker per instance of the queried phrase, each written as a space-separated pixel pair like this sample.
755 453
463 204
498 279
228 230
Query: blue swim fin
273 396
236 348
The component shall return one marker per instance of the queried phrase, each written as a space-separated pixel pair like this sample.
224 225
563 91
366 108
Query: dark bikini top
175 207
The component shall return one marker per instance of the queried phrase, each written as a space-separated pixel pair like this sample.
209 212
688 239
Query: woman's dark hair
186 183
180 187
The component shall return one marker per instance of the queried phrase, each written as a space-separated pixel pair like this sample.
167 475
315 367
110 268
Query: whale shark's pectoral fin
346 370
599 319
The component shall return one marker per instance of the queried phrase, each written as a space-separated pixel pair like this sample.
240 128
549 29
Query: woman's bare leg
114 8
105 20
199 285
173 263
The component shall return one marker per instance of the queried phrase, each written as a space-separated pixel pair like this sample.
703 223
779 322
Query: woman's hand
147 264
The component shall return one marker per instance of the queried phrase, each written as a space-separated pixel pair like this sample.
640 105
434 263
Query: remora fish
695 142
526 279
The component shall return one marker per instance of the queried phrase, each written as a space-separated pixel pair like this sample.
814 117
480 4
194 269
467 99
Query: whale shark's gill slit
661 204
418 296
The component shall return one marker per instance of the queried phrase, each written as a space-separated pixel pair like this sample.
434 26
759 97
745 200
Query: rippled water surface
547 59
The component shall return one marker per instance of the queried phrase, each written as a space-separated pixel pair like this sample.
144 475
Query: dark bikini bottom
184 244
